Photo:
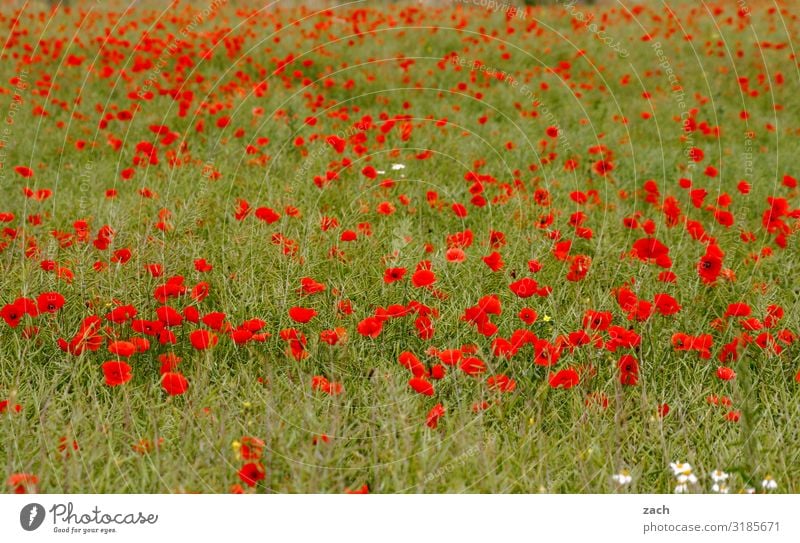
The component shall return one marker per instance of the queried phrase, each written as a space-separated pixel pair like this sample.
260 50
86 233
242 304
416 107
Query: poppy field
399 247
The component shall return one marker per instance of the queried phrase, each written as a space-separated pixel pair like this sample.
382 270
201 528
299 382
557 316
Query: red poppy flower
142 344
578 339
116 372
423 278
603 167
494 261
545 354
12 314
450 356
121 256
751 325
459 210
641 311
203 339
6 404
501 383
22 483
319 382
650 249
597 398
87 337
369 172
174 383
310 286
696 154
597 320
725 373
202 266
424 326
332 388
335 388
370 327
333 337
251 473
364 489
337 143
121 314
561 249
455 254
251 448
738 309
150 328
666 304
169 316
472 366
169 362
49 302
628 370
501 347
23 171
528 315
619 337
199 292
393 274
28 306
386 208
345 307
626 299
214 320
578 268
565 379
710 265
409 361
421 385
122 348
524 288
267 215
302 314
167 337
517 340
437 412
155 270
490 305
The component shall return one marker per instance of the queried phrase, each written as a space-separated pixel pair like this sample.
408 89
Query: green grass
535 439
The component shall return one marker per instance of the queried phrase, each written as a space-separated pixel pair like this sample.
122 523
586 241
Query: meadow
399 247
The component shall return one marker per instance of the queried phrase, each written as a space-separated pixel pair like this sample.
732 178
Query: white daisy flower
769 483
679 468
719 476
622 478
398 166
